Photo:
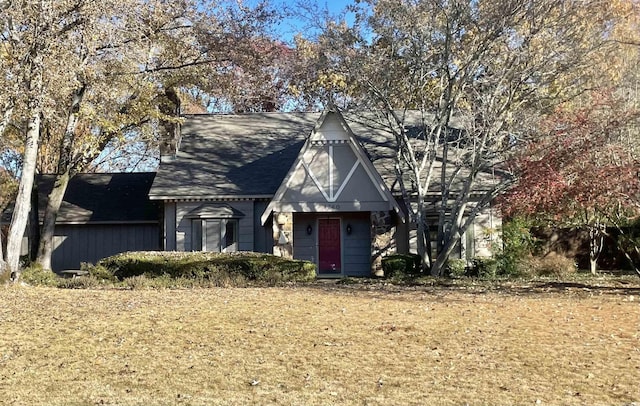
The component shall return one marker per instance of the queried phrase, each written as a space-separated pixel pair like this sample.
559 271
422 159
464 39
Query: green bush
80 282
518 245
401 265
216 269
456 267
35 275
485 267
98 272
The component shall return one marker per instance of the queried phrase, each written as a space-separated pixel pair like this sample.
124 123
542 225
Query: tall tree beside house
97 73
7 193
107 102
479 73
583 172
72 43
26 54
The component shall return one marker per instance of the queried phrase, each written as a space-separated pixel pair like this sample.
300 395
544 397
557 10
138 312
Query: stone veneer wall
283 234
382 239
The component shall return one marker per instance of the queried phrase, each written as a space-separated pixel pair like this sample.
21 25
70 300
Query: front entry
329 252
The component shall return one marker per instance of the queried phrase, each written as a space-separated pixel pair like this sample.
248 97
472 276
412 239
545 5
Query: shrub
485 267
551 264
401 265
218 269
456 267
518 244
98 272
35 275
79 282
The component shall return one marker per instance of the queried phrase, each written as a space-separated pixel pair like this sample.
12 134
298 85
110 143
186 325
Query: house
314 186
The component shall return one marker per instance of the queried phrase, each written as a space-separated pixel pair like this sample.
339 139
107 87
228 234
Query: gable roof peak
320 174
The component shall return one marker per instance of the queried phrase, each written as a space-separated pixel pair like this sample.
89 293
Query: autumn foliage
585 161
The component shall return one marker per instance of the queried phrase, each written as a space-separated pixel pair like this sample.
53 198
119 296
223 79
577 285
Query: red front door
330 257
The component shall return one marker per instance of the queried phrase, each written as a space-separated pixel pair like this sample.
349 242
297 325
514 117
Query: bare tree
83 75
476 74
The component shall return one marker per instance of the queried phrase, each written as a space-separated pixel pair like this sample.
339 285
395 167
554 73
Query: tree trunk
634 265
427 244
630 249
441 260
34 224
595 247
6 118
455 232
65 172
3 264
423 243
23 199
45 250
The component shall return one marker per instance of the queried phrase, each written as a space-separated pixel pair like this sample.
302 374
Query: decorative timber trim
332 192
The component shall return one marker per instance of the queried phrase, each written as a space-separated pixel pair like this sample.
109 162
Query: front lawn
323 343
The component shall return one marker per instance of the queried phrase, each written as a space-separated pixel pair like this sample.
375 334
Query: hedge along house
312 186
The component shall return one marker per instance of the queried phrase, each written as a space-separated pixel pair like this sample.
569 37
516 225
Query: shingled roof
241 155
244 155
248 155
103 198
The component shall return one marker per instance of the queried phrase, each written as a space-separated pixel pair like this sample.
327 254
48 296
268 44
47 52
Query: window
230 236
215 235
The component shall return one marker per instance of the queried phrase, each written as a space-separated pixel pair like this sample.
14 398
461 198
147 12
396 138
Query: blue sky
295 24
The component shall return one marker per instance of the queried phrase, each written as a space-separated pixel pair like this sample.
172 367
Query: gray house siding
304 245
75 243
169 219
356 247
262 236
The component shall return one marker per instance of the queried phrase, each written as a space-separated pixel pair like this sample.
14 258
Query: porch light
309 229
349 229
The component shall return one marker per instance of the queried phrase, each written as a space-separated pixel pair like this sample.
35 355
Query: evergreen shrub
485 268
456 268
34 274
401 265
218 269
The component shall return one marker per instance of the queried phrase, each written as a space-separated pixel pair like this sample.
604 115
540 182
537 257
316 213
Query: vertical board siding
356 248
184 232
245 225
169 235
262 236
90 243
305 246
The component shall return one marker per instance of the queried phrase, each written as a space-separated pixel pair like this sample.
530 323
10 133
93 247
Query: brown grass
321 344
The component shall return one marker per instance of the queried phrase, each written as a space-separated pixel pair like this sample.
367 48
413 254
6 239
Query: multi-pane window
215 235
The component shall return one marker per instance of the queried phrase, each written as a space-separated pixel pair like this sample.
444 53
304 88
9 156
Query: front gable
332 173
